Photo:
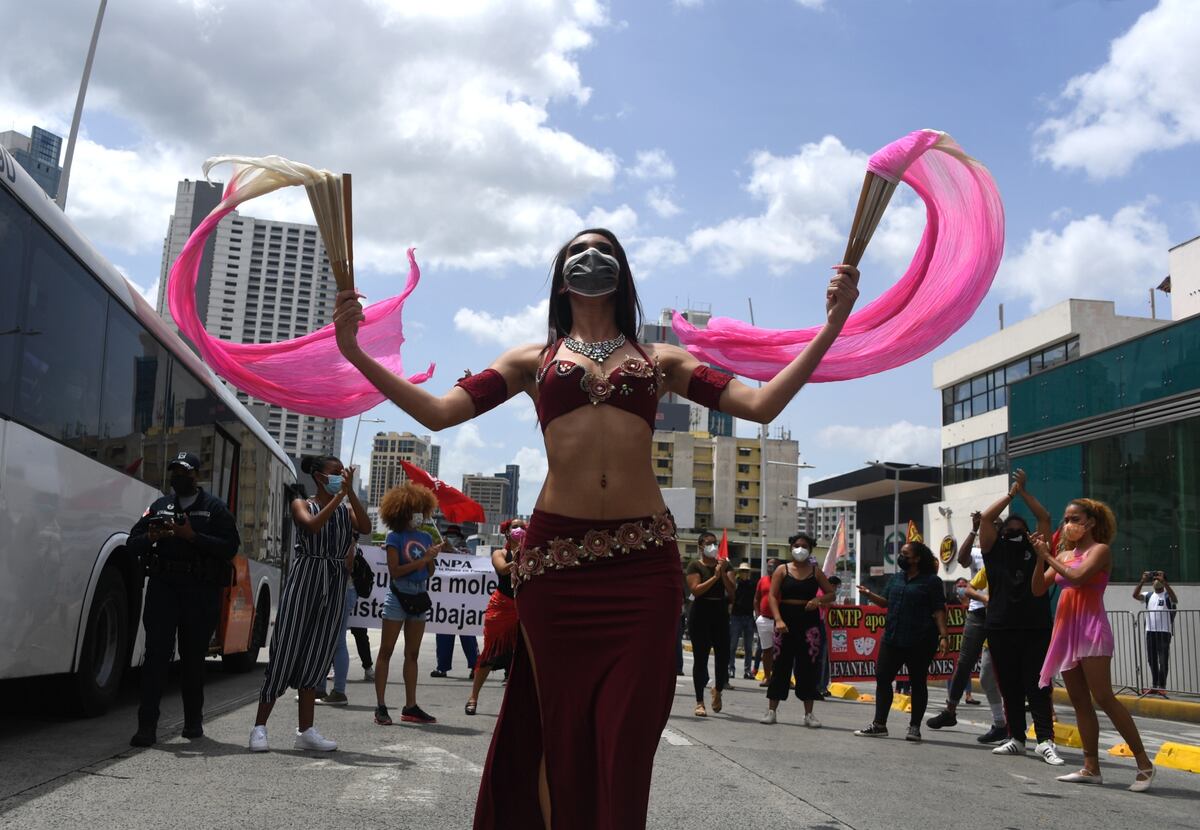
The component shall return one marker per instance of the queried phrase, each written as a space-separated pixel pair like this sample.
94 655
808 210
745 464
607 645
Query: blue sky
717 137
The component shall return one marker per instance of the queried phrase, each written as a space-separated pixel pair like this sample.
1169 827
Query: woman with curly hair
1081 645
411 558
591 685
500 619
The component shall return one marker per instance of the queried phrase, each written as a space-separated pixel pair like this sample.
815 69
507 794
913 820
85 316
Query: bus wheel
244 661
106 643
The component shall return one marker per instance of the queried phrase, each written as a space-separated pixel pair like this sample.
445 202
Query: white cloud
622 221
441 110
534 467
526 326
653 164
661 203
1146 97
1090 258
902 442
464 452
649 253
809 198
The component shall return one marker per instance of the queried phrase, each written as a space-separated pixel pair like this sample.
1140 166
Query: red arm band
488 389
706 386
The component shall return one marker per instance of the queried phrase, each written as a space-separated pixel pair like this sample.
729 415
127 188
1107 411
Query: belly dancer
597 579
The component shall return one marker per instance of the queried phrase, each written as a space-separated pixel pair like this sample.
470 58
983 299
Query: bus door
237 602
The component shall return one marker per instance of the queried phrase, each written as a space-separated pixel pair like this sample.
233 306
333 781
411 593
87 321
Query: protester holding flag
711 584
796 609
500 619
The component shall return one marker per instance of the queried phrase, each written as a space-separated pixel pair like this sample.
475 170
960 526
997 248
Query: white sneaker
258 739
769 717
1010 747
369 673
311 739
1049 753
810 720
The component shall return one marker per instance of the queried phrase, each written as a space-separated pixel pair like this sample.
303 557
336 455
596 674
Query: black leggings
799 651
917 658
1018 656
708 626
364 646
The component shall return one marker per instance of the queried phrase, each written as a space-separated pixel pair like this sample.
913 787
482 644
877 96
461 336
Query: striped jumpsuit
310 610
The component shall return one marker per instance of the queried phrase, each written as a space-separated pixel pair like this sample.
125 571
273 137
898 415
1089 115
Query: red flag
455 505
723 550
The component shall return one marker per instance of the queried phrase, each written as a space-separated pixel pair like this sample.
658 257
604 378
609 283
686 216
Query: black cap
187 460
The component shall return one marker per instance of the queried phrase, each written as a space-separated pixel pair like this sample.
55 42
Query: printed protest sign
856 633
459 588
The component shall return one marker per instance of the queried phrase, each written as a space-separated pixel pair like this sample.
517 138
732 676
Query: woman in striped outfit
310 610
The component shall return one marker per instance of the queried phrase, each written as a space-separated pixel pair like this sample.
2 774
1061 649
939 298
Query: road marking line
675 739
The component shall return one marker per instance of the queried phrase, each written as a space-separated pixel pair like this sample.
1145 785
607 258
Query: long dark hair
628 307
927 563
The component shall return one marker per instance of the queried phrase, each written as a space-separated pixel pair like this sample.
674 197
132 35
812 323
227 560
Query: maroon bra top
564 386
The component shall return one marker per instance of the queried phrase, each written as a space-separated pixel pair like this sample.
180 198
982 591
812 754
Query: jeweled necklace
598 352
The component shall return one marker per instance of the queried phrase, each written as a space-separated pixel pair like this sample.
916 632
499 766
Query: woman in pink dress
1081 646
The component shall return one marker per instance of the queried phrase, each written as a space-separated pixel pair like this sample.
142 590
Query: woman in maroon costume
597 580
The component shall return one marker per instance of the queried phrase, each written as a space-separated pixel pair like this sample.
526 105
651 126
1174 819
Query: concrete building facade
388 449
38 153
974 384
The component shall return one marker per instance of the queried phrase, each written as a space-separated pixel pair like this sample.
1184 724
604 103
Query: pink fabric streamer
947 279
307 374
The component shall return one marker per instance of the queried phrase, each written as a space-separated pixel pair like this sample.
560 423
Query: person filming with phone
186 540
1160 615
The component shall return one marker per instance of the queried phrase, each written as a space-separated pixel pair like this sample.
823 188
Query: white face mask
800 554
418 519
710 550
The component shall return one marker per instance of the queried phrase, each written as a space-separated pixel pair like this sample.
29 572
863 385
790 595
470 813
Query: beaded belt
561 553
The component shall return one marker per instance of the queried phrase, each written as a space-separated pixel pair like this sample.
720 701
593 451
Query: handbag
362 576
413 604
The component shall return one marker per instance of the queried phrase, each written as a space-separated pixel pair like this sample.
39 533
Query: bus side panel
266 578
59 510
237 611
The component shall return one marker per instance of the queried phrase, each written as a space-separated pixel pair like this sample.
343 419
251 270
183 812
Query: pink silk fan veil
307 374
947 279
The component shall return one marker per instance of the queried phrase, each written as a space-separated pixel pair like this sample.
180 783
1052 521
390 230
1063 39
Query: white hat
745 566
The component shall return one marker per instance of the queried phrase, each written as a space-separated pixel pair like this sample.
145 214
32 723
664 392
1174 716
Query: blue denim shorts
394 611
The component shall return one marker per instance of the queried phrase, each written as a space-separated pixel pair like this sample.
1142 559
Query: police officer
186 540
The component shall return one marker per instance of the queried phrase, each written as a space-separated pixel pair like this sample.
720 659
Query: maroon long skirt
603 636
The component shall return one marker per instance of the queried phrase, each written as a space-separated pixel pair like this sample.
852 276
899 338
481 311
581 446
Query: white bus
96 392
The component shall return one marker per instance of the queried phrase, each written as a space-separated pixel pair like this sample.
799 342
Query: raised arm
1137 589
1098 559
763 404
968 543
987 521
515 367
1040 513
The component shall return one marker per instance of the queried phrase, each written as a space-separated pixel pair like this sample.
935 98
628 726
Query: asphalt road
725 771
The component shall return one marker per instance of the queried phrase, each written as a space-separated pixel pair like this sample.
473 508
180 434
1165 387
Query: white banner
459 587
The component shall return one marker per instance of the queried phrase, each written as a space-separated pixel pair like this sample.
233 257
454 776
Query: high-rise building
388 449
38 153
974 384
675 413
512 472
259 281
493 494
821 520
726 474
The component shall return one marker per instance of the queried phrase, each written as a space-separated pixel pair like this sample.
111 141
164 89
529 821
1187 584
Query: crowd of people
600 521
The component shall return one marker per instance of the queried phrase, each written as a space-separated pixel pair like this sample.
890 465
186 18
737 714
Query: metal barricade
1128 660
1183 664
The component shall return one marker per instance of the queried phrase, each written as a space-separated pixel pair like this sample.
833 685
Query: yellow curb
1065 734
1148 707
1179 756
866 698
902 703
1121 751
843 690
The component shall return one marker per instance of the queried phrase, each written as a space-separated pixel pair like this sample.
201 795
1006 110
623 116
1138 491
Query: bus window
62 346
190 417
14 229
133 399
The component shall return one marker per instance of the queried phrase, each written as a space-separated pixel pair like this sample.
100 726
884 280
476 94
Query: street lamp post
762 499
357 427
65 179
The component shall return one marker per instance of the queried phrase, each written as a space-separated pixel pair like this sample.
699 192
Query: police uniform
183 595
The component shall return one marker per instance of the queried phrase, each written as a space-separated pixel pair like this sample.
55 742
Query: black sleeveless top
799 589
504 581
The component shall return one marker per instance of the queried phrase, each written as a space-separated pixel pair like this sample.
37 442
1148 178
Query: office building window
974 460
989 390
